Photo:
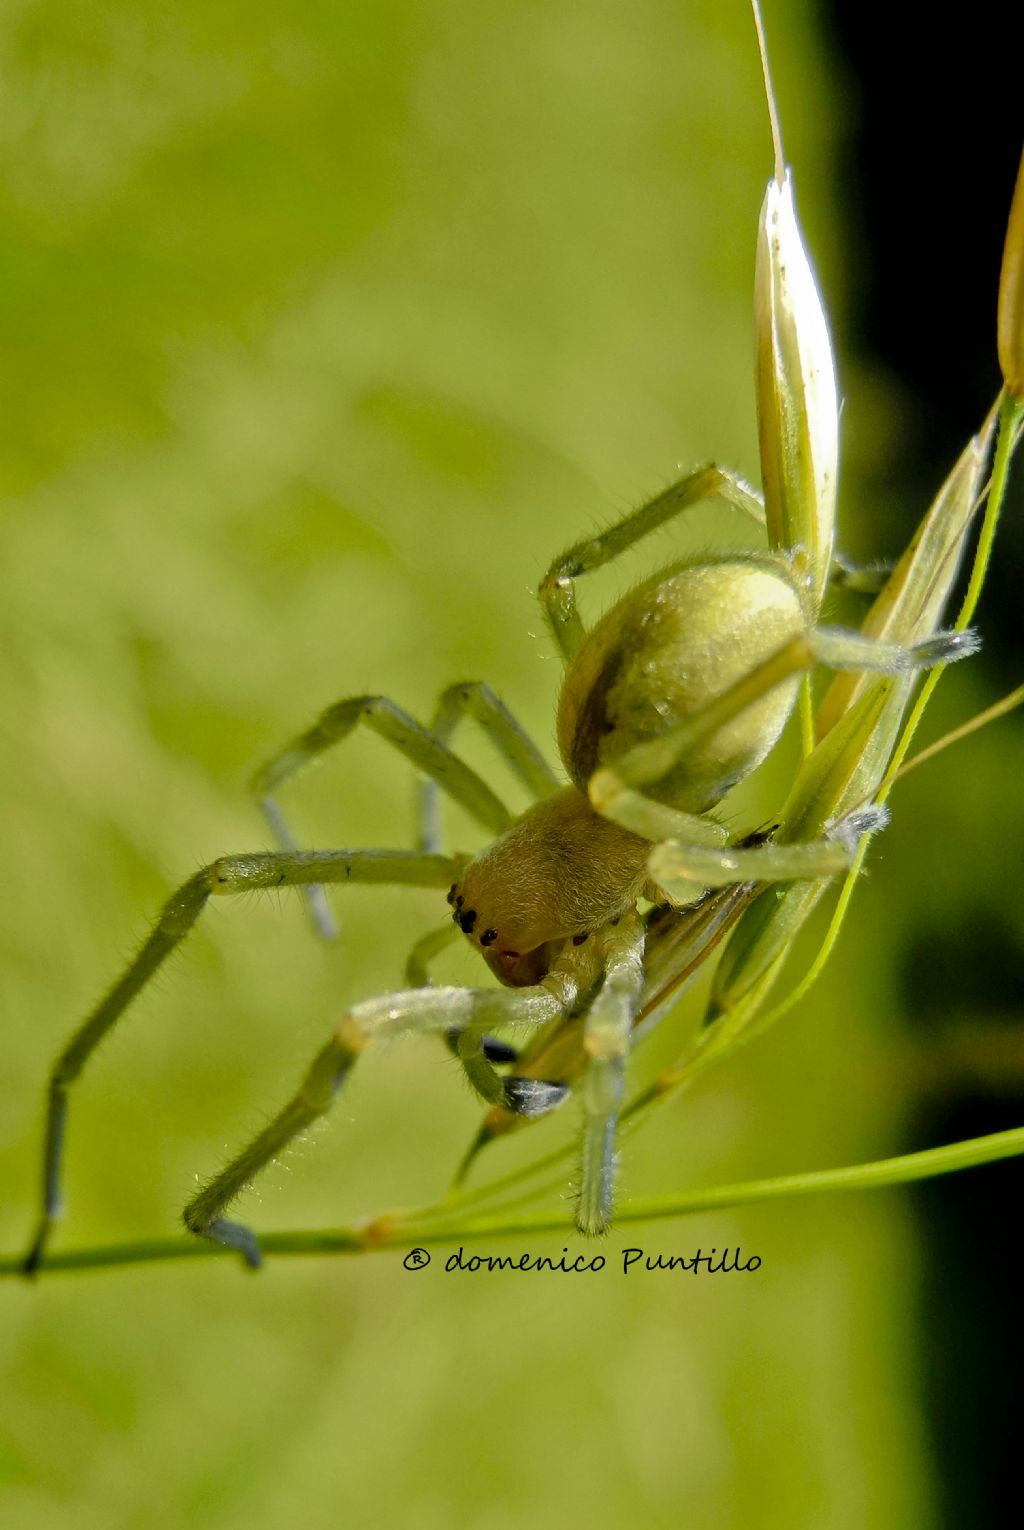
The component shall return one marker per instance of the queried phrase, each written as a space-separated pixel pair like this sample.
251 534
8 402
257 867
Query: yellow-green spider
596 904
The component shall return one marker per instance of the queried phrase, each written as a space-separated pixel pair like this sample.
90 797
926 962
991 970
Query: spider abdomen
666 649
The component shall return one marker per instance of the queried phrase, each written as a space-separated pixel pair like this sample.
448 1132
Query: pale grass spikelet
857 727
1010 324
797 398
912 601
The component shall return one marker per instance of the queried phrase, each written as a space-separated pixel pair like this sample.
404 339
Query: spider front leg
424 951
473 1011
676 865
419 746
475 699
231 874
417 975
617 791
607 1033
683 864
557 592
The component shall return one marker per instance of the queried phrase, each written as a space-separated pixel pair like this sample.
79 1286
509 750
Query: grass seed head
1010 323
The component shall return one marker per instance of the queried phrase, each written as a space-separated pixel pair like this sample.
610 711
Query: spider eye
451 893
488 937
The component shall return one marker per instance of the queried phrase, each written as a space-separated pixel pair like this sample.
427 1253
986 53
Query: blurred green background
326 327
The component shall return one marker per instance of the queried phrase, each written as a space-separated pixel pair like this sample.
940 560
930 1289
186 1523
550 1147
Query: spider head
509 947
560 871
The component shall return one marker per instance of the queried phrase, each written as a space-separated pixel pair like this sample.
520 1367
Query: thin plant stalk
415 1230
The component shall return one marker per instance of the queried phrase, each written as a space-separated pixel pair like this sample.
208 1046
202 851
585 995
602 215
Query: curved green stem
407 1230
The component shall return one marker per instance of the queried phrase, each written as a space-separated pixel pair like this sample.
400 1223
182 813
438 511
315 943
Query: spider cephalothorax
560 871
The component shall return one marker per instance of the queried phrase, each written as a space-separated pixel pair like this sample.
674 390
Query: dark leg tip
499 1051
495 1051
533 1096
236 1235
230 1235
33 1261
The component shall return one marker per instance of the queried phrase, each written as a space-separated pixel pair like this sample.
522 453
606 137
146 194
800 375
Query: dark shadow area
928 173
962 988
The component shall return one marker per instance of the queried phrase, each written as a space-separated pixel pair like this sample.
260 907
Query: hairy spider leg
411 1011
681 858
424 950
230 874
607 1038
418 744
557 593
475 699
863 578
677 943
417 975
